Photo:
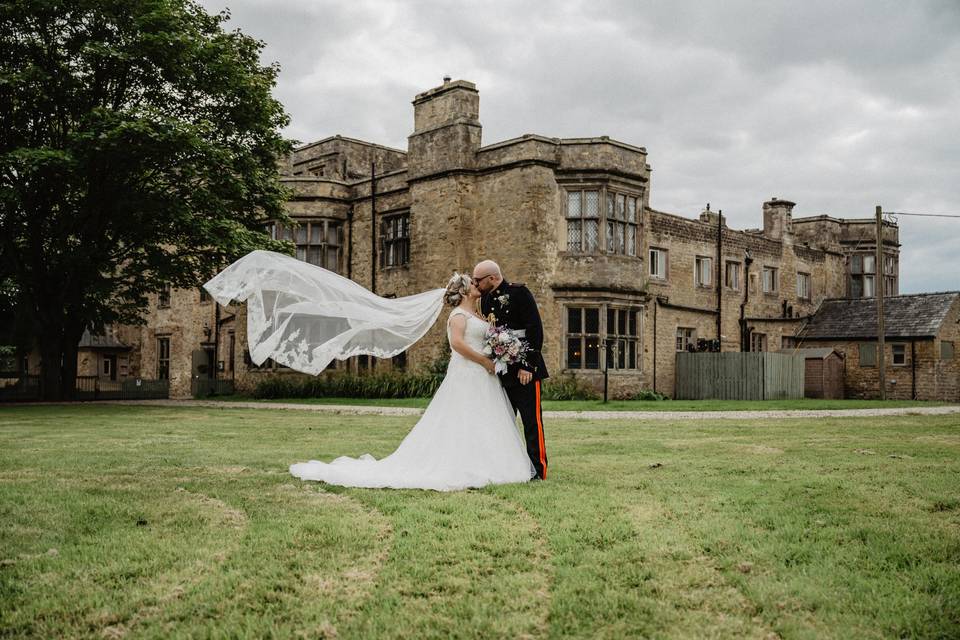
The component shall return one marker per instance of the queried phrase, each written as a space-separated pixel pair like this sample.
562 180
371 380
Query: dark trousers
525 399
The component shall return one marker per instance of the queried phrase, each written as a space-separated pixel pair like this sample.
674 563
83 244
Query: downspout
373 228
744 338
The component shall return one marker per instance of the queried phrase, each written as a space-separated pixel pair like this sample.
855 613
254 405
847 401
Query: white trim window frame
731 275
803 286
863 275
658 263
703 272
770 280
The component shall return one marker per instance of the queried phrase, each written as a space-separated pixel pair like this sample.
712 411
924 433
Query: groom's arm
532 325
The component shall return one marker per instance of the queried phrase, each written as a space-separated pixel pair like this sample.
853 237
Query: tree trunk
68 372
58 361
51 388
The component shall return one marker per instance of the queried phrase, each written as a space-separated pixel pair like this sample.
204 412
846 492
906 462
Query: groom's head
487 276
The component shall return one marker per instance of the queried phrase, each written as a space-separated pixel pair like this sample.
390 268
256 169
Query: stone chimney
446 129
777 218
710 217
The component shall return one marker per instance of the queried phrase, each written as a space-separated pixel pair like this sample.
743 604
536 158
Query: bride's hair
457 289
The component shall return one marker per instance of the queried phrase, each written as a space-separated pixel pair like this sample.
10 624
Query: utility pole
720 280
878 292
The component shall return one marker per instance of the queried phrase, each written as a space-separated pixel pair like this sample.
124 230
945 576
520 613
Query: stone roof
813 354
911 316
109 341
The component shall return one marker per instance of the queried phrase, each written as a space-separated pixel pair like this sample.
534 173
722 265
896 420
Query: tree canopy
139 147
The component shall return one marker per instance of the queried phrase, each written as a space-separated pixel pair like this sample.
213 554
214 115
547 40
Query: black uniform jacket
513 306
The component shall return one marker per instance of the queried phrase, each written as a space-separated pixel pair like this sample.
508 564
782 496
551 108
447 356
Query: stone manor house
621 286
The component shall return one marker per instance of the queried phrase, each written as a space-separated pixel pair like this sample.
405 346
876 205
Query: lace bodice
475 333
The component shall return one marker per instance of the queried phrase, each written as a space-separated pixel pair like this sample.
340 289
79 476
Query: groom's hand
525 376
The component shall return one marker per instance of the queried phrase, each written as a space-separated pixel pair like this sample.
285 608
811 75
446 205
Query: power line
923 215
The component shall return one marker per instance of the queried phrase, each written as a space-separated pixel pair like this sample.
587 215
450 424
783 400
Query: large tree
139 147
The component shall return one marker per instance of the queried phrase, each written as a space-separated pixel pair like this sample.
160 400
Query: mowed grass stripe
463 565
814 528
792 528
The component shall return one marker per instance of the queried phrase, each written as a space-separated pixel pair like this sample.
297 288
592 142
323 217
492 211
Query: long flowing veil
304 316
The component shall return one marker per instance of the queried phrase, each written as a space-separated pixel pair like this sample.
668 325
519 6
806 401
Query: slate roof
810 354
90 341
912 316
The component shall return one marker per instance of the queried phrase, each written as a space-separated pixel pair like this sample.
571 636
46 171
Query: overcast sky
837 105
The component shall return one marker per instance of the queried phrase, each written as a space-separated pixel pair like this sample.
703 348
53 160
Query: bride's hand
489 366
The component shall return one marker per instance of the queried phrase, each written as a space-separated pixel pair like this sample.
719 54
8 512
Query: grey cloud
838 105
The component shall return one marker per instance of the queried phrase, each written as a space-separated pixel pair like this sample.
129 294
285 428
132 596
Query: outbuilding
823 373
921 334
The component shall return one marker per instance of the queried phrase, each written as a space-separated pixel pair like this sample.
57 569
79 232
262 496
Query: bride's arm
458 327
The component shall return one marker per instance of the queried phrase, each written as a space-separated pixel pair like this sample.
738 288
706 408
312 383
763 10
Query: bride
304 316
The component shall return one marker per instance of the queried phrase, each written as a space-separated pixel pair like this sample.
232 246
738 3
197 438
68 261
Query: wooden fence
19 388
739 376
93 388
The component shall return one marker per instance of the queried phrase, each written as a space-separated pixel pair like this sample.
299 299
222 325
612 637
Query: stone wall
778 314
506 201
185 323
924 376
343 159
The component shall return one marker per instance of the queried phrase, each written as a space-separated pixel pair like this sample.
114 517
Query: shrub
648 395
347 385
567 387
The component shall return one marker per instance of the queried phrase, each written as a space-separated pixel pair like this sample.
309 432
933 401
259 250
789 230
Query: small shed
823 373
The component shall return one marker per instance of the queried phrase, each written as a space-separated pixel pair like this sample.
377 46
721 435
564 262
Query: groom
512 305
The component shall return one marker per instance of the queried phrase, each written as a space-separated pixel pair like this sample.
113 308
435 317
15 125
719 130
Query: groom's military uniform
512 305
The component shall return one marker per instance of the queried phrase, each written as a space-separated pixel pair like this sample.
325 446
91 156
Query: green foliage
567 387
442 361
392 385
648 395
339 385
139 146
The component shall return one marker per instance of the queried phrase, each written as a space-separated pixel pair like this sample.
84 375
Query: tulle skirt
467 437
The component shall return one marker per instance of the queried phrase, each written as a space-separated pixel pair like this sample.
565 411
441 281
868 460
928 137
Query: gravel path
567 415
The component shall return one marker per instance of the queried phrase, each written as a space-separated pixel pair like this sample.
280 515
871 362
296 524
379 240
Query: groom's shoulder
520 288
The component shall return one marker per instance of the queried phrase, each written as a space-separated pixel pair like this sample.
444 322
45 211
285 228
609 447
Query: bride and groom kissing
467 436
304 316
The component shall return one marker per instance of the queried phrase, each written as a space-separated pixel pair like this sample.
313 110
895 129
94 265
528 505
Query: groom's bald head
487 276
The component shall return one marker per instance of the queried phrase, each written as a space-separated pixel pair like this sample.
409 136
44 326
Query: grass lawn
628 405
125 521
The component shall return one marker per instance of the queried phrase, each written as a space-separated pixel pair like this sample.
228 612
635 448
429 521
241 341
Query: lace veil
304 316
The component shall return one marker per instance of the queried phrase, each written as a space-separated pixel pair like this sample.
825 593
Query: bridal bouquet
505 347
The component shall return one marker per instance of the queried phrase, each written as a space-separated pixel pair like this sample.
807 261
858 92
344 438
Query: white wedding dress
467 437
